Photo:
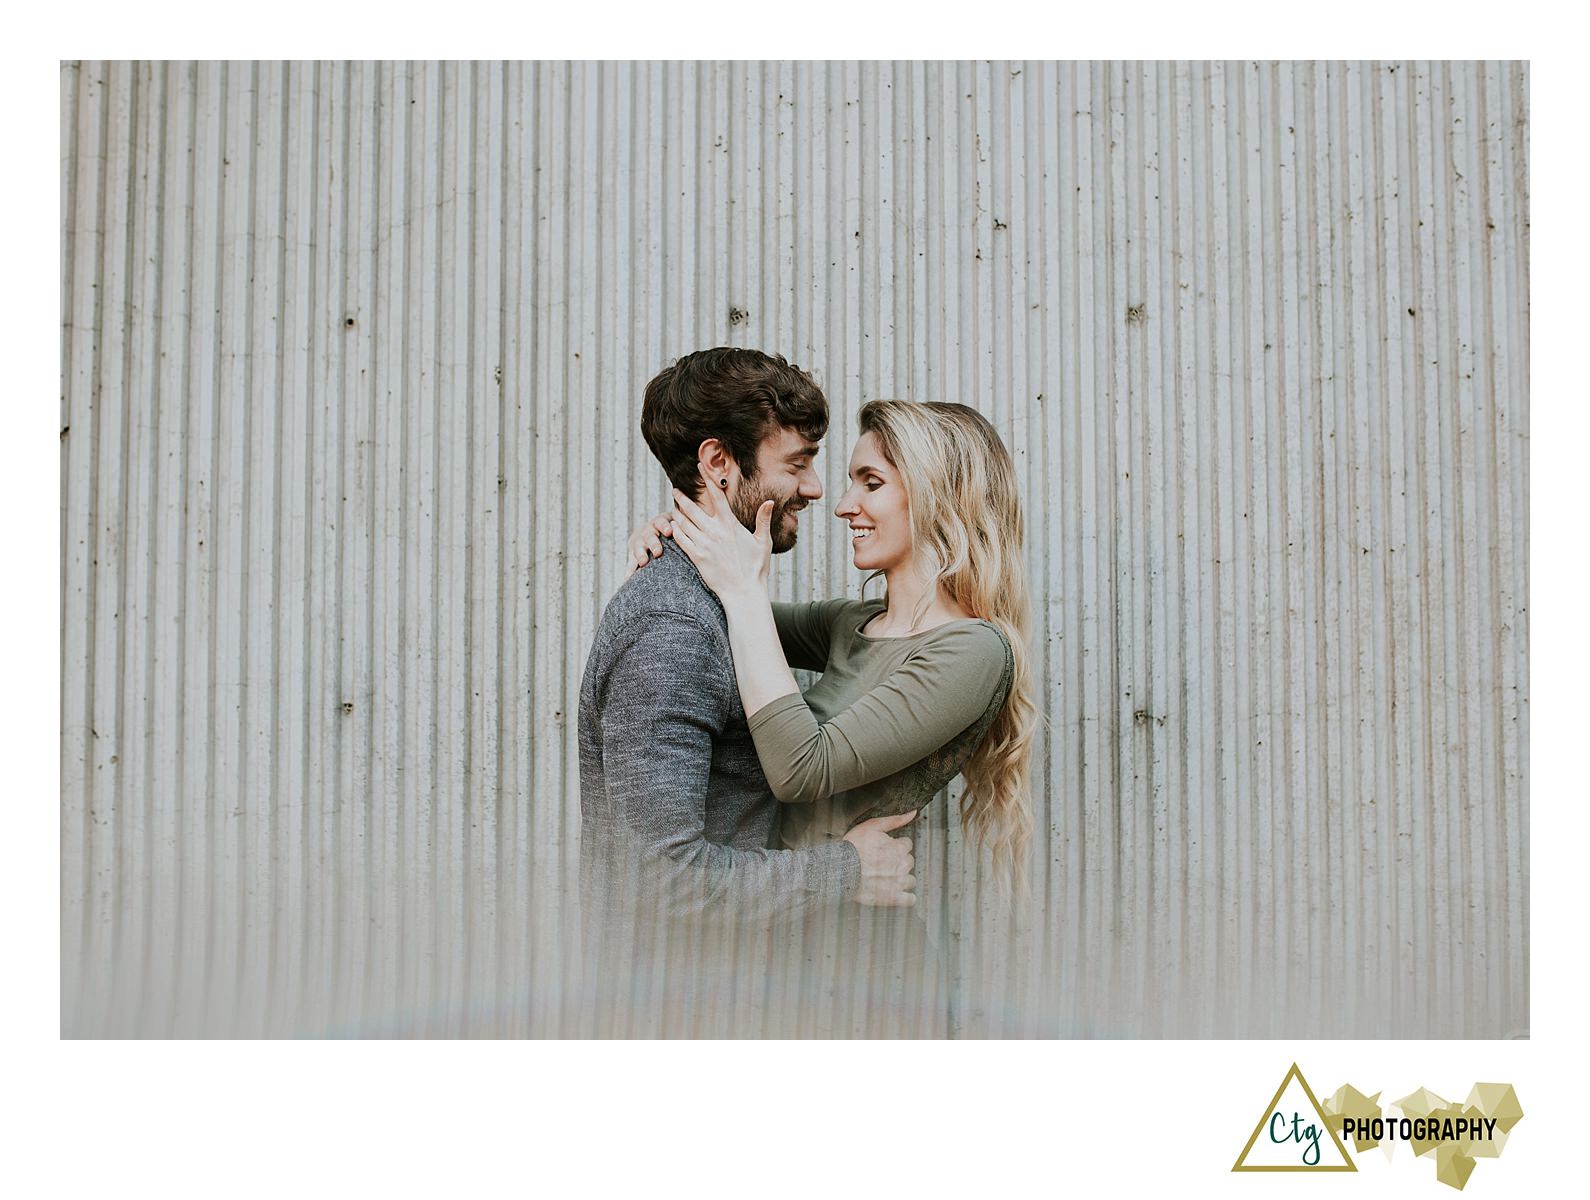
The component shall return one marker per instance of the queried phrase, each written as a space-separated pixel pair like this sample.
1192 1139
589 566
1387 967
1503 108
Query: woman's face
876 509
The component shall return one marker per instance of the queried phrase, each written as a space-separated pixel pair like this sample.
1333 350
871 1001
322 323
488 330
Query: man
677 821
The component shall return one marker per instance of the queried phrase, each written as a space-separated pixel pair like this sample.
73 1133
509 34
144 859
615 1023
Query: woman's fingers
689 507
689 516
709 499
705 513
645 543
685 528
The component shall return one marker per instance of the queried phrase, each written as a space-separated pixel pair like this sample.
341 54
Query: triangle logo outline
1346 1163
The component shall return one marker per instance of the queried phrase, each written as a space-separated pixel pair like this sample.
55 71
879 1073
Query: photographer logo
1293 1134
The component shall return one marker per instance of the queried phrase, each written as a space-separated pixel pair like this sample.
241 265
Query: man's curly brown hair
736 396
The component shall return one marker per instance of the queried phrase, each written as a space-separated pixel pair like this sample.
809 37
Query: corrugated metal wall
352 358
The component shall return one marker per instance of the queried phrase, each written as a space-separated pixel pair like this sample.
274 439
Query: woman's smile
876 509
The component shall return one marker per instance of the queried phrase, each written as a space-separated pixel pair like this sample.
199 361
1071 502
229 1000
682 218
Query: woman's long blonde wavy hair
966 535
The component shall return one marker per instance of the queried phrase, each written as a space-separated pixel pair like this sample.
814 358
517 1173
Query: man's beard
783 527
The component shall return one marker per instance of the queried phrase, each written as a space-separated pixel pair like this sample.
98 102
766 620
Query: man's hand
886 862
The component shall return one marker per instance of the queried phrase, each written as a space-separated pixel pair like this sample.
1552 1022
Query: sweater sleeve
932 696
659 734
804 630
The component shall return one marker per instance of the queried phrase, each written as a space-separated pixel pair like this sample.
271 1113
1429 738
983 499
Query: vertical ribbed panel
352 358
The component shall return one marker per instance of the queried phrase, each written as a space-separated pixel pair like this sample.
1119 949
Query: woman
929 681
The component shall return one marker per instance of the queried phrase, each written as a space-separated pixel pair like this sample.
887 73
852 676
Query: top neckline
867 616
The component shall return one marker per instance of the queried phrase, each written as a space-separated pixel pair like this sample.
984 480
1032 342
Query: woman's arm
805 631
920 708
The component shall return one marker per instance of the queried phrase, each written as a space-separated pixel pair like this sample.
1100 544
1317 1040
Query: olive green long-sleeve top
889 724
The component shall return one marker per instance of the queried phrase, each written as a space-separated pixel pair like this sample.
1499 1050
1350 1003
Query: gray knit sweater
676 816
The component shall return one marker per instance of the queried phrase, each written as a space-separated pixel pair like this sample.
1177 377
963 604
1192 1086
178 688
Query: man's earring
723 483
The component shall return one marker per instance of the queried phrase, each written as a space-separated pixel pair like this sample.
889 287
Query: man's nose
811 487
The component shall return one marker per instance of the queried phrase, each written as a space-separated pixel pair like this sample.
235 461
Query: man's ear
715 463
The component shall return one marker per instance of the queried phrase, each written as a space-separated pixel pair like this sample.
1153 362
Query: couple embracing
745 847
